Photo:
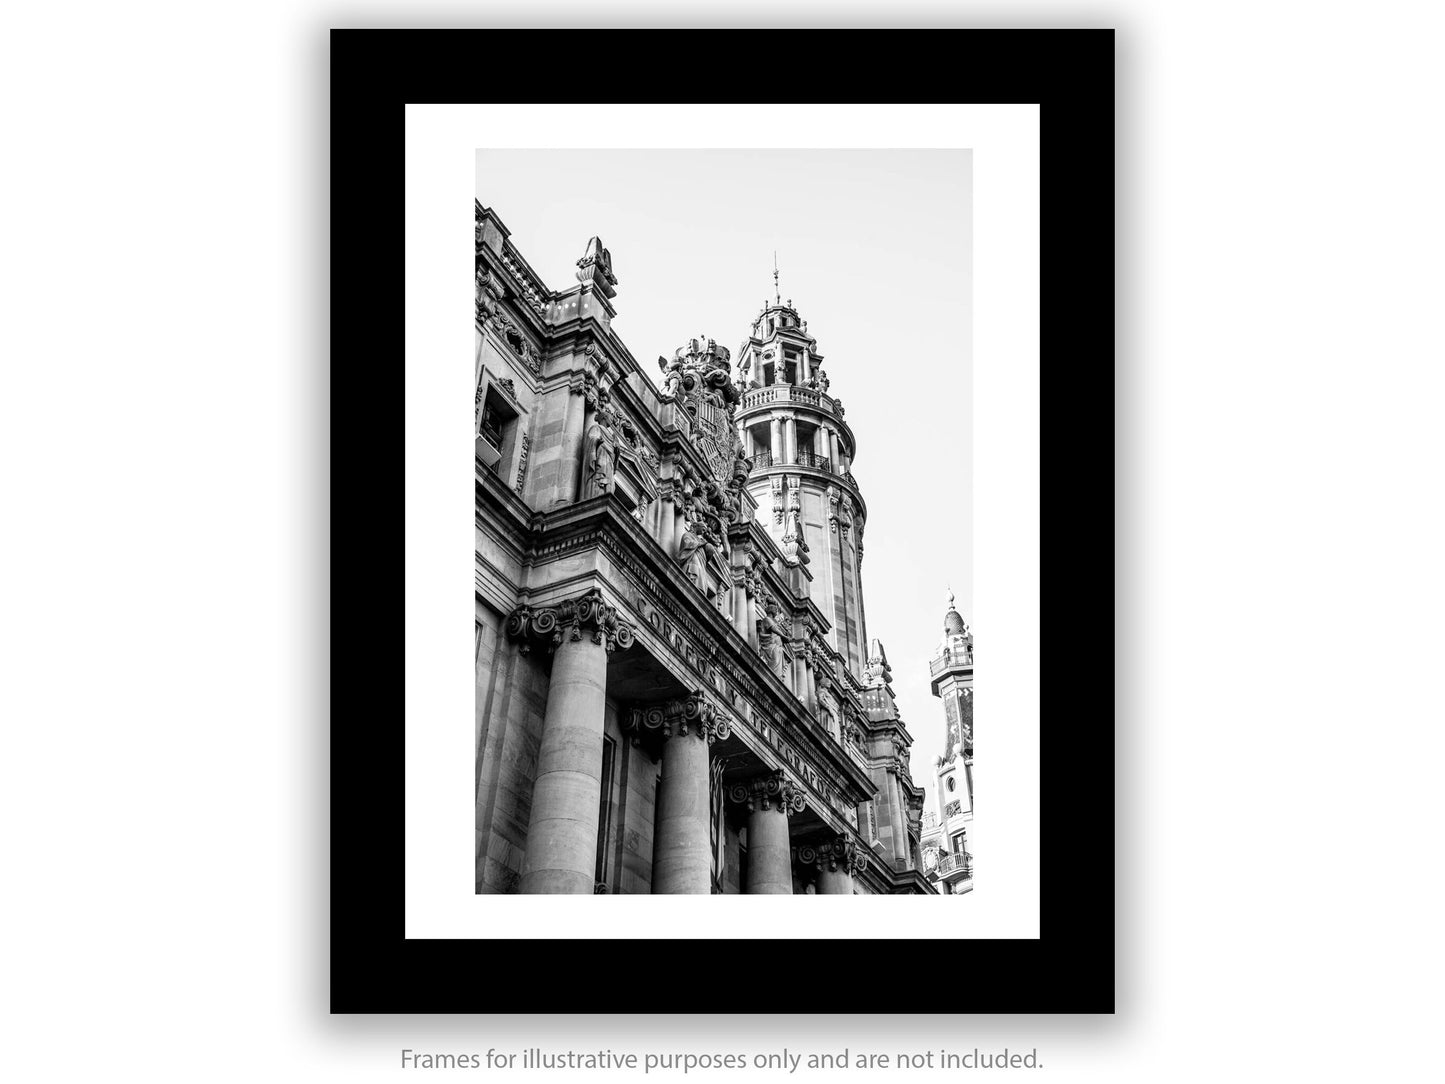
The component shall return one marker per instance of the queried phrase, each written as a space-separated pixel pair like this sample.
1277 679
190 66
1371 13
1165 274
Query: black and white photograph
808 342
706 383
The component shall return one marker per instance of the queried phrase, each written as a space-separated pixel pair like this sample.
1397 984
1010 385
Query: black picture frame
1070 968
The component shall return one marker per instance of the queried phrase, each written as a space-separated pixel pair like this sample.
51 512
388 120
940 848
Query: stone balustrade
781 394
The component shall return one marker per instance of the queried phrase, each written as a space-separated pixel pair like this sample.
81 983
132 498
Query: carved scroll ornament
840 853
694 715
549 625
772 791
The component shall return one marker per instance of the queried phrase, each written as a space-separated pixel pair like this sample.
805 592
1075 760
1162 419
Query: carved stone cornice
838 854
693 715
772 791
548 625
583 382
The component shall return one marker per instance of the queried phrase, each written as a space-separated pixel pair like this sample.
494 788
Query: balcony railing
764 459
788 393
948 660
960 863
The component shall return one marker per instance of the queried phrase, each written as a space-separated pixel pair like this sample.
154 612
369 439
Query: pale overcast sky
874 248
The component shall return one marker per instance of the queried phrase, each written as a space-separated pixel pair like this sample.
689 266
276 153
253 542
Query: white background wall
163 433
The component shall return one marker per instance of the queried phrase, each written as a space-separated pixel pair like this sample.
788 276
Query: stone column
810 657
682 833
561 853
580 403
900 820
739 614
775 424
800 672
790 432
835 860
771 799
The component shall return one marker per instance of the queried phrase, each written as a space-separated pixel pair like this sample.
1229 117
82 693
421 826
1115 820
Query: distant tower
802 451
945 839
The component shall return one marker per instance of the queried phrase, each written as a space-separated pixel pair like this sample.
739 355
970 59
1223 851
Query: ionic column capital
550 625
692 716
840 854
775 790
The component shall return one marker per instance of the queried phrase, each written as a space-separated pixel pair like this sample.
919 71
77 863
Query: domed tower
950 671
801 449
951 674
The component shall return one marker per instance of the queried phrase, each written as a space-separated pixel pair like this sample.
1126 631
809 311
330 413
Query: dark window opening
604 815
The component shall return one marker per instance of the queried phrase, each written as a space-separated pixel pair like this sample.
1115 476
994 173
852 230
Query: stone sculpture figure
691 554
769 643
601 454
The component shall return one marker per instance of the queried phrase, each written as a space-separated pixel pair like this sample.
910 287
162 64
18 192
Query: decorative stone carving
833 509
699 381
595 267
601 454
691 554
770 646
794 547
516 342
548 625
533 293
737 485
878 672
839 854
694 715
774 790
776 483
583 382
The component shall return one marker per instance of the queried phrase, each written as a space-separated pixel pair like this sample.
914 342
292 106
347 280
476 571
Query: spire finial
777 296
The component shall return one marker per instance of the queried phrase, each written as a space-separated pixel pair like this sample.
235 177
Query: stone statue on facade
795 549
673 374
737 484
691 554
770 645
601 454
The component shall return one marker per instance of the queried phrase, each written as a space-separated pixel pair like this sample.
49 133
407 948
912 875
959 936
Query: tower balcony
788 395
764 460
951 660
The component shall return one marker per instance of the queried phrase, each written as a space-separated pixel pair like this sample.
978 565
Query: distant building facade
675 692
946 855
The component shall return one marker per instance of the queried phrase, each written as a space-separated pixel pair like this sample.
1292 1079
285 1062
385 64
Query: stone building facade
673 692
946 856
